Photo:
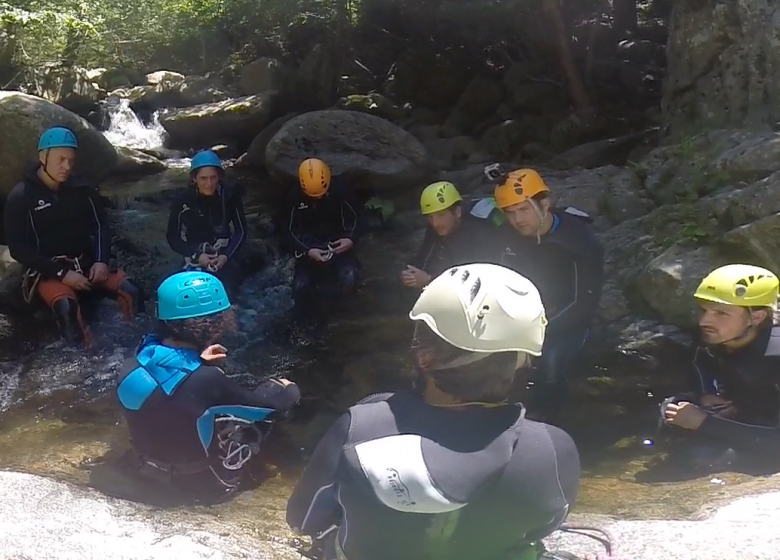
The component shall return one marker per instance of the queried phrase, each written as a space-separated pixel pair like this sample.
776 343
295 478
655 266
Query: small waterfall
127 130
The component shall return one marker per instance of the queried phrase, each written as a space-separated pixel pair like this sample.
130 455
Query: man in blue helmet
207 225
56 227
190 425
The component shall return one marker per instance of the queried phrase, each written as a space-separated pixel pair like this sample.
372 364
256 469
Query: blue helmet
187 295
206 158
57 137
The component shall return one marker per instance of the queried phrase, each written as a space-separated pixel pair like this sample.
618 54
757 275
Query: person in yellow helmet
322 228
452 237
736 362
559 252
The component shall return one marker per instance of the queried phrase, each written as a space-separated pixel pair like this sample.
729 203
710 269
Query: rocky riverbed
673 193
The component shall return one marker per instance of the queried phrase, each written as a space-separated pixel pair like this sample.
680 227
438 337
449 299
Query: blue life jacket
160 366
166 368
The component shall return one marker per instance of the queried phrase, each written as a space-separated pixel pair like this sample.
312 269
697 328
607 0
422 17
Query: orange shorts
52 290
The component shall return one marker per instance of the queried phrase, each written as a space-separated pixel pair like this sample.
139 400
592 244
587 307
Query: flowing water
57 406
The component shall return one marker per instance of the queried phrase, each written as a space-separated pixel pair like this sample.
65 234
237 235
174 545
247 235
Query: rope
208 249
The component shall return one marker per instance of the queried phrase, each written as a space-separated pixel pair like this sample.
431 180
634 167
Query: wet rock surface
41 519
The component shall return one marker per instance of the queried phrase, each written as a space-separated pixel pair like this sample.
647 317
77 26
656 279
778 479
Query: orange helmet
314 175
520 185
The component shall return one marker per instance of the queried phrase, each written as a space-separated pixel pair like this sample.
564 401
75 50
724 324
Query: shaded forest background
572 43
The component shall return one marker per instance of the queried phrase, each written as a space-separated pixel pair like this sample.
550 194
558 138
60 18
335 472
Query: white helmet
483 308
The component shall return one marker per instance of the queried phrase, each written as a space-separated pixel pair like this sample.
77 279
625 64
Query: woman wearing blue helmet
207 225
188 422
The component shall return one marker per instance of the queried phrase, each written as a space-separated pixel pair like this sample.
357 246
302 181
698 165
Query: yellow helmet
743 285
314 175
438 196
520 185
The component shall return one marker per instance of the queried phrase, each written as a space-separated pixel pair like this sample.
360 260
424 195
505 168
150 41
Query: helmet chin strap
44 167
748 330
542 216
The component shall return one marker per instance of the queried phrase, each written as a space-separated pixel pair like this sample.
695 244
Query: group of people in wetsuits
451 468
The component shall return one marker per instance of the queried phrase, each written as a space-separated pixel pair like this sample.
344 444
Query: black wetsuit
475 240
403 479
196 219
41 223
567 267
52 232
172 400
750 379
312 224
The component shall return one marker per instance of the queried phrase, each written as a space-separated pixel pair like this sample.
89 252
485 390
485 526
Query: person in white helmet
451 470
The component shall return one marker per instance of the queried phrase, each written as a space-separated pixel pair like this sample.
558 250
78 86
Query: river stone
234 121
22 120
362 149
669 280
745 529
255 153
133 162
757 242
41 519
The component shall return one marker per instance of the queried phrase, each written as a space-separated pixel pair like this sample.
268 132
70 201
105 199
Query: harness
211 249
31 278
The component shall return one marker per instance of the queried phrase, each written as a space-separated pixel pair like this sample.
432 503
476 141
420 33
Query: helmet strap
542 217
44 168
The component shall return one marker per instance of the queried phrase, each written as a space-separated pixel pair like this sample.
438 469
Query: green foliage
201 35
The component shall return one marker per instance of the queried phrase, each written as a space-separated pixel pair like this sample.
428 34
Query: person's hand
213 353
318 255
718 406
76 281
685 415
98 273
342 245
414 277
204 260
219 262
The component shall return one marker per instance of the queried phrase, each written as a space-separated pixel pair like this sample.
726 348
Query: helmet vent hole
475 287
740 291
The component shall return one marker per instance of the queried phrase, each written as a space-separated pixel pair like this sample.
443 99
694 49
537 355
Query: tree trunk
624 18
577 89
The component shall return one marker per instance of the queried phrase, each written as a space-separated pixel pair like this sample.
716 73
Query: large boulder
133 162
72 87
718 70
234 121
255 153
366 150
260 76
22 120
669 280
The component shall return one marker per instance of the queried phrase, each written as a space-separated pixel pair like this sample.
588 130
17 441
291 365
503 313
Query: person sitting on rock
190 425
452 469
451 238
56 227
322 231
207 225
736 362
559 252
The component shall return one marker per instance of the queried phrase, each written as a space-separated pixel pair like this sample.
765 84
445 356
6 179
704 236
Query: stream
57 408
